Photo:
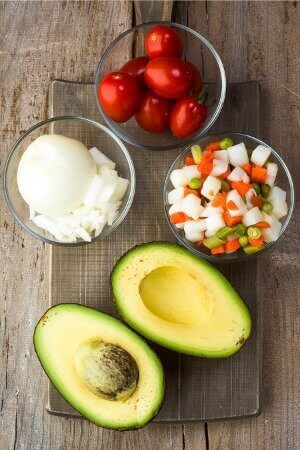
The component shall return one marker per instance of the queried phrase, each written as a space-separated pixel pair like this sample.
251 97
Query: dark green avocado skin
155 413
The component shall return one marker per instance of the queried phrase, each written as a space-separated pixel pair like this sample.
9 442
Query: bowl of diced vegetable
229 197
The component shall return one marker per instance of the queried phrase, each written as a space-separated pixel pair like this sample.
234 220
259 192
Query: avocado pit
107 369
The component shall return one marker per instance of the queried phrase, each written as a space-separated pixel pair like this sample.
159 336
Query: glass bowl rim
122 147
245 257
214 116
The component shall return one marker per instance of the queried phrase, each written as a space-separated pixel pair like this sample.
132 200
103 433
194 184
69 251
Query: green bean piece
225 186
256 188
266 163
251 250
239 230
195 183
249 151
267 207
243 240
224 232
196 153
265 190
226 143
254 232
213 242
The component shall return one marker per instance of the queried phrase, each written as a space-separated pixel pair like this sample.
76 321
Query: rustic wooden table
40 41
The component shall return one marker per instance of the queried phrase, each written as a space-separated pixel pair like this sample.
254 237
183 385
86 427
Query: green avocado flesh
102 368
180 301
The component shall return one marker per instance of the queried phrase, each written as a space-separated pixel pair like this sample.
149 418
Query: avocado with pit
180 301
101 367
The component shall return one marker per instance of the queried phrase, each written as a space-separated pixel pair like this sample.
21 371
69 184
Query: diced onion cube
178 178
272 169
211 187
210 210
191 172
194 226
120 190
191 206
260 155
219 167
238 155
222 154
271 234
215 223
239 174
235 197
94 190
176 207
252 217
249 195
106 194
180 225
175 195
277 193
280 208
101 159
194 237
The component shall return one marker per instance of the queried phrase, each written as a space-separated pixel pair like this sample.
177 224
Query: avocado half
180 301
102 368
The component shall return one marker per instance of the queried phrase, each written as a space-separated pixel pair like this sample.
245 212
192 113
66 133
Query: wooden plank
268 54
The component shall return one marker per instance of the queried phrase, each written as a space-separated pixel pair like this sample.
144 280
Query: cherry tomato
187 117
168 77
136 68
119 96
154 113
197 80
163 41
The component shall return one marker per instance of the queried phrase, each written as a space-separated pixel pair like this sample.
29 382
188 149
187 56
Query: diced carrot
232 246
241 187
263 224
178 217
188 191
256 201
208 155
213 146
247 168
225 174
205 166
189 161
256 242
258 174
231 205
231 221
220 200
218 250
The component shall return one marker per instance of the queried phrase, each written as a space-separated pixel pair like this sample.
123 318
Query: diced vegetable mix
224 198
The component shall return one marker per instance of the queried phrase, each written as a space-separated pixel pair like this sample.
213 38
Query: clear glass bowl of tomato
283 179
196 50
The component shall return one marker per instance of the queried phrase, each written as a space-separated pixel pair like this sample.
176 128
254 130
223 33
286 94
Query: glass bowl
92 134
283 180
196 50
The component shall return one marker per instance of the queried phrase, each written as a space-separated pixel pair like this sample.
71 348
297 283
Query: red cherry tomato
197 80
136 68
187 117
163 41
154 113
168 77
119 96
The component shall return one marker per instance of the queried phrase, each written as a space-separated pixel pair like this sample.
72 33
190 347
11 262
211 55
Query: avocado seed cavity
107 369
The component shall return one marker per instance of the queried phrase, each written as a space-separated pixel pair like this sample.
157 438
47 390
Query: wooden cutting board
197 389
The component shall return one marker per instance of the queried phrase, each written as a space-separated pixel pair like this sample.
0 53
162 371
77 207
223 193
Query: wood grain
40 41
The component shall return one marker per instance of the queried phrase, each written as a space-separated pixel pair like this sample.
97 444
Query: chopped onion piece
260 155
93 193
210 210
238 155
194 226
219 167
277 193
280 208
178 178
252 217
215 223
249 195
175 195
235 197
191 172
272 169
211 187
271 234
222 154
180 226
239 174
101 159
194 237
191 206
